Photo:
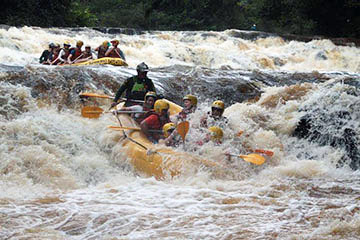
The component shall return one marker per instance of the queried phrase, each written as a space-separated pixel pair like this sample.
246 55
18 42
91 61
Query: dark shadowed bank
317 17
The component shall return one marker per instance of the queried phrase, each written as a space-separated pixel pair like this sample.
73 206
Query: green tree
333 18
79 14
35 12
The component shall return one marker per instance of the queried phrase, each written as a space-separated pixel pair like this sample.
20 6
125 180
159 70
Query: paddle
95 112
266 152
91 111
124 128
183 128
77 58
252 158
132 128
87 94
126 136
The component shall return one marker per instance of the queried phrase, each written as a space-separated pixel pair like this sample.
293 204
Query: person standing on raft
135 87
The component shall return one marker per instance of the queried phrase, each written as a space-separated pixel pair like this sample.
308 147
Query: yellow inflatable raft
156 159
102 61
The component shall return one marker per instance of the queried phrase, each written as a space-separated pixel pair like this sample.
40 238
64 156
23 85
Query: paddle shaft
86 94
126 136
136 129
266 152
116 112
133 128
95 111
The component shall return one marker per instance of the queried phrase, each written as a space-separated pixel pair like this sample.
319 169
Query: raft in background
103 61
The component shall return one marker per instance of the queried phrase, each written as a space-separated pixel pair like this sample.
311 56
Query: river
63 176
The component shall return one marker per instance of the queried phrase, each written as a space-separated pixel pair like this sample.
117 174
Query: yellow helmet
218 104
67 43
79 43
161 105
105 43
168 127
150 94
191 98
216 133
115 41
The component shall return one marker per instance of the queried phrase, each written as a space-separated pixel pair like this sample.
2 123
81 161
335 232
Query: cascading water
65 177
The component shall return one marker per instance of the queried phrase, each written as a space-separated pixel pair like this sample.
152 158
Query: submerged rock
331 129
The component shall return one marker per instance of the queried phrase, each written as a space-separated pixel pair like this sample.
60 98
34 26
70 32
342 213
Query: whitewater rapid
21 46
63 176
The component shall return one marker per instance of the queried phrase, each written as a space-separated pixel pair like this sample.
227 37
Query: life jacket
55 56
143 116
184 113
51 56
137 90
76 53
216 121
102 50
115 53
158 126
134 92
44 56
86 54
65 56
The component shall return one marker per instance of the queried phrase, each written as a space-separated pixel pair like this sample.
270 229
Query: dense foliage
334 18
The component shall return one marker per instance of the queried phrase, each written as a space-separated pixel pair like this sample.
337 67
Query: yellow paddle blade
253 158
183 128
86 94
91 111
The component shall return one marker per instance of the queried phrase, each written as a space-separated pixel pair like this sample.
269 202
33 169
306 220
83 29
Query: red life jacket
158 126
144 115
76 54
115 53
